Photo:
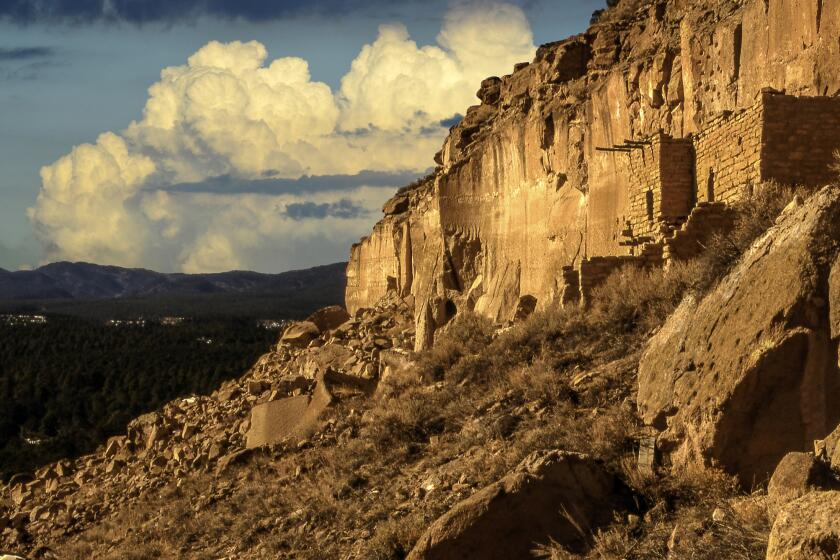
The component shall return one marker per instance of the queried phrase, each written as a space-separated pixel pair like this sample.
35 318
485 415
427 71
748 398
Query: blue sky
67 75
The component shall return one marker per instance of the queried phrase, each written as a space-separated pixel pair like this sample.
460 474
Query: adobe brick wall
782 138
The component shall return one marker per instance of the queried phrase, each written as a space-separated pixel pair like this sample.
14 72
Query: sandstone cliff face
522 190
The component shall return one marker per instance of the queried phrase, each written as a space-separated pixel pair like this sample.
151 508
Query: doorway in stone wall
649 204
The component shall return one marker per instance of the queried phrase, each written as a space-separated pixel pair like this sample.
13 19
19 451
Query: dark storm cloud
304 185
344 209
25 53
25 63
451 121
170 11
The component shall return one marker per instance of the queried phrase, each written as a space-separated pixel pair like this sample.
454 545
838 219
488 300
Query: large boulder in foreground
750 373
550 495
807 529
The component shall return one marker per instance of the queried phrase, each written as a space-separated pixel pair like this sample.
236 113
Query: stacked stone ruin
681 189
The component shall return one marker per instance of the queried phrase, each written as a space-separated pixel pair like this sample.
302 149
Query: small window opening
649 204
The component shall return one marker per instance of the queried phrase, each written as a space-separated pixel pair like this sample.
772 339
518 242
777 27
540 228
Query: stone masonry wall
706 220
661 187
800 137
645 194
594 271
728 155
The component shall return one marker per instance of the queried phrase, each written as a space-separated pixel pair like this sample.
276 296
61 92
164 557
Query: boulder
550 495
20 494
276 420
807 529
300 334
316 360
228 393
396 205
234 458
329 318
796 475
292 417
491 89
257 387
749 373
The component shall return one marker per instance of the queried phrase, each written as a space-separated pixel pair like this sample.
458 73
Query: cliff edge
543 175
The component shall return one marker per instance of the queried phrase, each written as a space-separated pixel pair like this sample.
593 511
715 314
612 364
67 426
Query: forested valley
70 383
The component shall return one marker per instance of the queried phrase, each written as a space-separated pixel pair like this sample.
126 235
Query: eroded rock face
807 529
750 373
549 495
522 190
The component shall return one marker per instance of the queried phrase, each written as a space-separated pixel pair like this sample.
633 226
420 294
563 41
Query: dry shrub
394 538
465 335
754 214
684 501
552 551
406 419
640 299
540 381
612 434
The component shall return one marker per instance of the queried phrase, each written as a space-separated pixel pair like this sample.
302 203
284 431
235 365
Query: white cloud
230 112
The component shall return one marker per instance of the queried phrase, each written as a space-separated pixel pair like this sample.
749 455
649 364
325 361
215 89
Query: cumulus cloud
230 116
394 85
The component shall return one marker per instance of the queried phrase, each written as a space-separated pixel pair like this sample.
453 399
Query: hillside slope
681 412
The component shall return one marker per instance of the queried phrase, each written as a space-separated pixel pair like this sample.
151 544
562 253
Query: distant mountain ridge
67 280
